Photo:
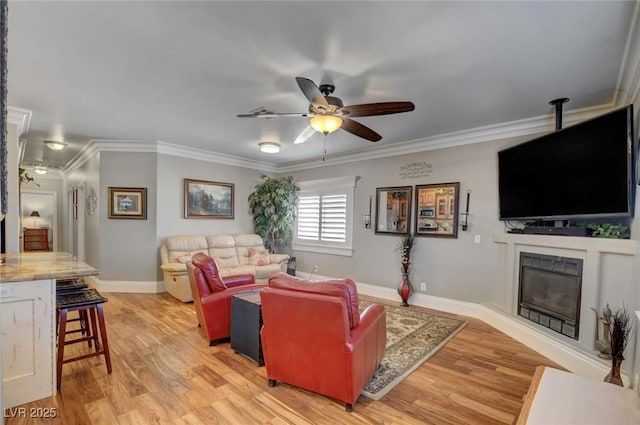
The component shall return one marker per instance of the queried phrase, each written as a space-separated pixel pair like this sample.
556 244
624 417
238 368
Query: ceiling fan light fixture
40 169
269 147
325 124
54 145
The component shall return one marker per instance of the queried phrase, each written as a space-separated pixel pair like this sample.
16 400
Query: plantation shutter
309 217
334 218
322 218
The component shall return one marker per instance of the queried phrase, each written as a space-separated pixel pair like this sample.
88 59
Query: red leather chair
314 337
212 295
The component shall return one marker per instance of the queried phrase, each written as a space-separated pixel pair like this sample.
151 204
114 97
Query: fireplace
549 292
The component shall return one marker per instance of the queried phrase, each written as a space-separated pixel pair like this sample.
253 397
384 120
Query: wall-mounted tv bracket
558 104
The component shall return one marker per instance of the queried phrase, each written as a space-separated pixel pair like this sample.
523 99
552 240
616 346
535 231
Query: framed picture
128 202
437 210
203 199
393 210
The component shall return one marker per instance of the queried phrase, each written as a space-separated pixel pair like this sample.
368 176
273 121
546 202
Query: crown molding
628 86
218 158
526 127
20 117
96 146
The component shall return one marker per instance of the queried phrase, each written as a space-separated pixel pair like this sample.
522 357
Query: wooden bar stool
65 286
90 302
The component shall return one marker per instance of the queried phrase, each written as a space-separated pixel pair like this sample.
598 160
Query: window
324 221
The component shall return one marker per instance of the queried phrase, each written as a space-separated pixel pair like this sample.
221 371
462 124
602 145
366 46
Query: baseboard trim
554 349
144 287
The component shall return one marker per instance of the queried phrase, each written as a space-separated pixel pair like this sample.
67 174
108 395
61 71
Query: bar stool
65 286
90 302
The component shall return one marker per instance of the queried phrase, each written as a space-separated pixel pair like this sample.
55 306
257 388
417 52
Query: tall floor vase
614 375
405 289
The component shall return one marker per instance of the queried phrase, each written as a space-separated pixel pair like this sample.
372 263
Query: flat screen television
583 171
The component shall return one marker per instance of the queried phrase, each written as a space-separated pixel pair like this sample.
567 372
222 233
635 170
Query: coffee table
246 322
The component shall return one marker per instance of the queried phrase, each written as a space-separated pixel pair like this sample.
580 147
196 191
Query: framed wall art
393 210
204 199
128 202
437 210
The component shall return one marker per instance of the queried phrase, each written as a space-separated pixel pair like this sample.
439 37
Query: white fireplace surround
610 270
609 275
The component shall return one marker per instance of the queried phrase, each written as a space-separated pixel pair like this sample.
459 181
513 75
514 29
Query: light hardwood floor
164 372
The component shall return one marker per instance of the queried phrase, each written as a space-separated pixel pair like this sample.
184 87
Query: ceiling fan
328 113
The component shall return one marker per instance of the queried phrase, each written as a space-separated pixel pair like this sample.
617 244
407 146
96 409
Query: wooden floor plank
164 372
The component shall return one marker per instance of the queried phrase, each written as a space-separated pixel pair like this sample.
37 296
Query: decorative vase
614 375
404 289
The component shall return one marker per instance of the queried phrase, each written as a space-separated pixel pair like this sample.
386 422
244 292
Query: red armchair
314 337
212 295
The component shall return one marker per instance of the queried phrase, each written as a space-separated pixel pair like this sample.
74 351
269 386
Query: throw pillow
186 258
259 257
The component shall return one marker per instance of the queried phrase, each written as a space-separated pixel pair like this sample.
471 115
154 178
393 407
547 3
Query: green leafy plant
609 230
273 205
24 177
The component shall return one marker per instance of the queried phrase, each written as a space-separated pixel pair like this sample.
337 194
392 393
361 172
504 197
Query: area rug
412 337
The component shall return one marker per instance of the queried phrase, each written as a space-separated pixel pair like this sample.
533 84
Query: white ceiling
179 72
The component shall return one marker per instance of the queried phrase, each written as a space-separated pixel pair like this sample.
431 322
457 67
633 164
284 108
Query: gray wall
452 268
125 244
170 201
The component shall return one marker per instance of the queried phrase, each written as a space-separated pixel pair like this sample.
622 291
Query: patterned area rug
412 337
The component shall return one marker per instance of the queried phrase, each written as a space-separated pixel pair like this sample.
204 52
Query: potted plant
273 205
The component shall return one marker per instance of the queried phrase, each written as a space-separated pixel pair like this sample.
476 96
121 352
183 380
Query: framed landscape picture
204 199
128 202
437 210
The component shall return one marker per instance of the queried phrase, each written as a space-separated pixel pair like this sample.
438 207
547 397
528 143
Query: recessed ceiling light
54 145
269 147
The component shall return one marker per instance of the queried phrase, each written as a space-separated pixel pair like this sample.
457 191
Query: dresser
36 239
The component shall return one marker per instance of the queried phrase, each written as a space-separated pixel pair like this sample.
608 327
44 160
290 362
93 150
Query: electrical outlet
6 291
423 286
476 239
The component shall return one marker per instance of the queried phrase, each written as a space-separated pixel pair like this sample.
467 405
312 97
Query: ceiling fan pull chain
324 147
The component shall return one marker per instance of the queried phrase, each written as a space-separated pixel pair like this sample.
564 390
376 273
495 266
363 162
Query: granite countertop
42 265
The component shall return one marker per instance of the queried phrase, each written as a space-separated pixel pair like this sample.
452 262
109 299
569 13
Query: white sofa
231 253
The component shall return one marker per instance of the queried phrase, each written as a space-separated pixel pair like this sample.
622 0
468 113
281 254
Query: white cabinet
28 331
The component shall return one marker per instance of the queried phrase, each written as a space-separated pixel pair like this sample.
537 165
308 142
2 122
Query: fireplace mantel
611 272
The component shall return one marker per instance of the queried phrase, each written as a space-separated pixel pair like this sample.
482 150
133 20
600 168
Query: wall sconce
464 217
367 217
92 201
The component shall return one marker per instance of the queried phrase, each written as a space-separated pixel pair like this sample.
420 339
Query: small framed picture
128 202
204 199
437 210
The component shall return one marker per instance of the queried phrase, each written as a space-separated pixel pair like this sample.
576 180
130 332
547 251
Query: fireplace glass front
549 291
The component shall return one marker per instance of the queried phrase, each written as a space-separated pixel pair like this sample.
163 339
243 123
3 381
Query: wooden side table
246 322
36 239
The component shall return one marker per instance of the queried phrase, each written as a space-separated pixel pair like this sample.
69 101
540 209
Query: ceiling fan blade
312 92
383 108
304 135
273 115
359 130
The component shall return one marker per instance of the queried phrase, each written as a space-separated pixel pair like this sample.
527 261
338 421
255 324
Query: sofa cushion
265 272
344 288
243 243
210 269
222 248
178 246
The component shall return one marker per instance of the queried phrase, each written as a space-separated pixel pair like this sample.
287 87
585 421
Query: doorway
39 210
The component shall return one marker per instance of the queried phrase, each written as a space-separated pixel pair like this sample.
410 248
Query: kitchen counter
28 322
42 265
